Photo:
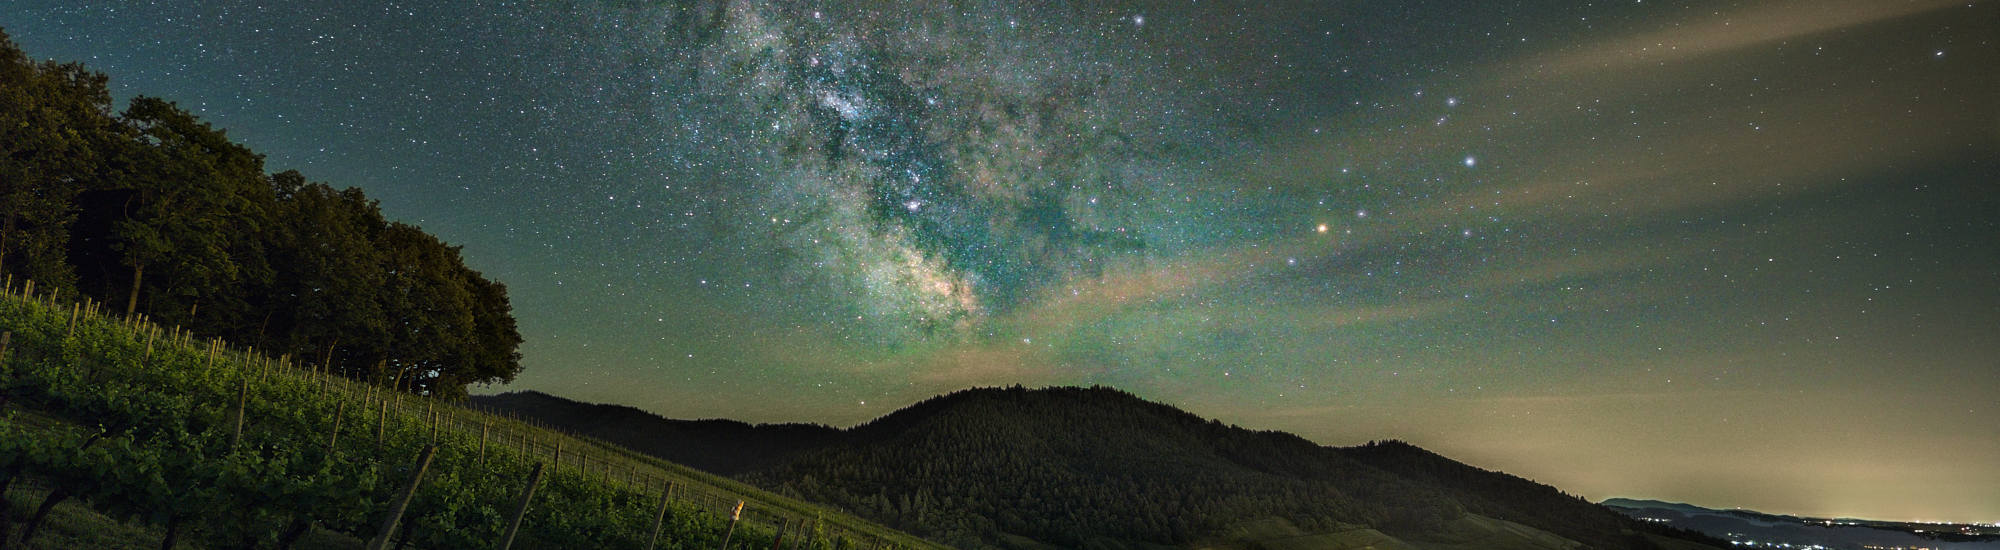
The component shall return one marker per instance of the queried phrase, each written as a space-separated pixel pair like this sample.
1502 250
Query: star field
1737 254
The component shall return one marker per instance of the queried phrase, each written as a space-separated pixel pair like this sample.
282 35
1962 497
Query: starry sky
1729 253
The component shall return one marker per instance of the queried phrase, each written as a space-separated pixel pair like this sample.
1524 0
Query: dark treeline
155 212
1101 468
1092 468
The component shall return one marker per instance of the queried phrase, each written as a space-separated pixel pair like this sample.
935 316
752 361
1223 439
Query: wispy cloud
1722 32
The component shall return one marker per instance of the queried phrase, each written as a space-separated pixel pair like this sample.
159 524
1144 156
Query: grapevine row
248 451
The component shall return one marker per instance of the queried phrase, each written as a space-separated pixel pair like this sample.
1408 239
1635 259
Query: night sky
1730 253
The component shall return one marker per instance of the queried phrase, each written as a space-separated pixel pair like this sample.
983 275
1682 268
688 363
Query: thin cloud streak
1718 33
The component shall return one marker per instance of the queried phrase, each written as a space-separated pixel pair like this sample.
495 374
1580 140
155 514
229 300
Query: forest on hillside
155 212
1100 468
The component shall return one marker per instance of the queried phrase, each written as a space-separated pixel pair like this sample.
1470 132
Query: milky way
1736 254
939 172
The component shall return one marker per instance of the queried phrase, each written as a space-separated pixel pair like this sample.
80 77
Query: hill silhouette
726 447
1101 468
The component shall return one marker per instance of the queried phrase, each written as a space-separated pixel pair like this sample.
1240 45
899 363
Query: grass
75 525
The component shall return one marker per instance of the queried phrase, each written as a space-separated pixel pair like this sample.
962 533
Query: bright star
1469 161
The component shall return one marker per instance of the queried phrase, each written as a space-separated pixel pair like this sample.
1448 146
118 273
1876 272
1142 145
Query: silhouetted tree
162 211
54 118
195 192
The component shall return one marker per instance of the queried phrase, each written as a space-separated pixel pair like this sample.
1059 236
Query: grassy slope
73 525
76 526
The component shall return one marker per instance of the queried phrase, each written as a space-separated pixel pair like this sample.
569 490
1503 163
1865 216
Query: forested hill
1100 468
157 213
726 447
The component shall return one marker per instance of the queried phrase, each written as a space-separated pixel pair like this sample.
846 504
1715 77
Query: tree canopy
156 212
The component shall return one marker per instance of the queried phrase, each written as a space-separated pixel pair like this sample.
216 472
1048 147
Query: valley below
1750 529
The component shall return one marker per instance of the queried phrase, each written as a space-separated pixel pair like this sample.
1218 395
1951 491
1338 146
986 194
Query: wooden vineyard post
242 397
210 364
558 465
327 359
5 337
402 503
734 515
807 535
778 542
660 517
381 423
521 509
482 441
339 412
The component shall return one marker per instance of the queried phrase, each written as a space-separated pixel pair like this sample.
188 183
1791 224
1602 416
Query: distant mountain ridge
1624 504
726 447
1101 468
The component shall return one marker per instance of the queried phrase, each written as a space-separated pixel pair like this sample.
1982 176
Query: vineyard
204 445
